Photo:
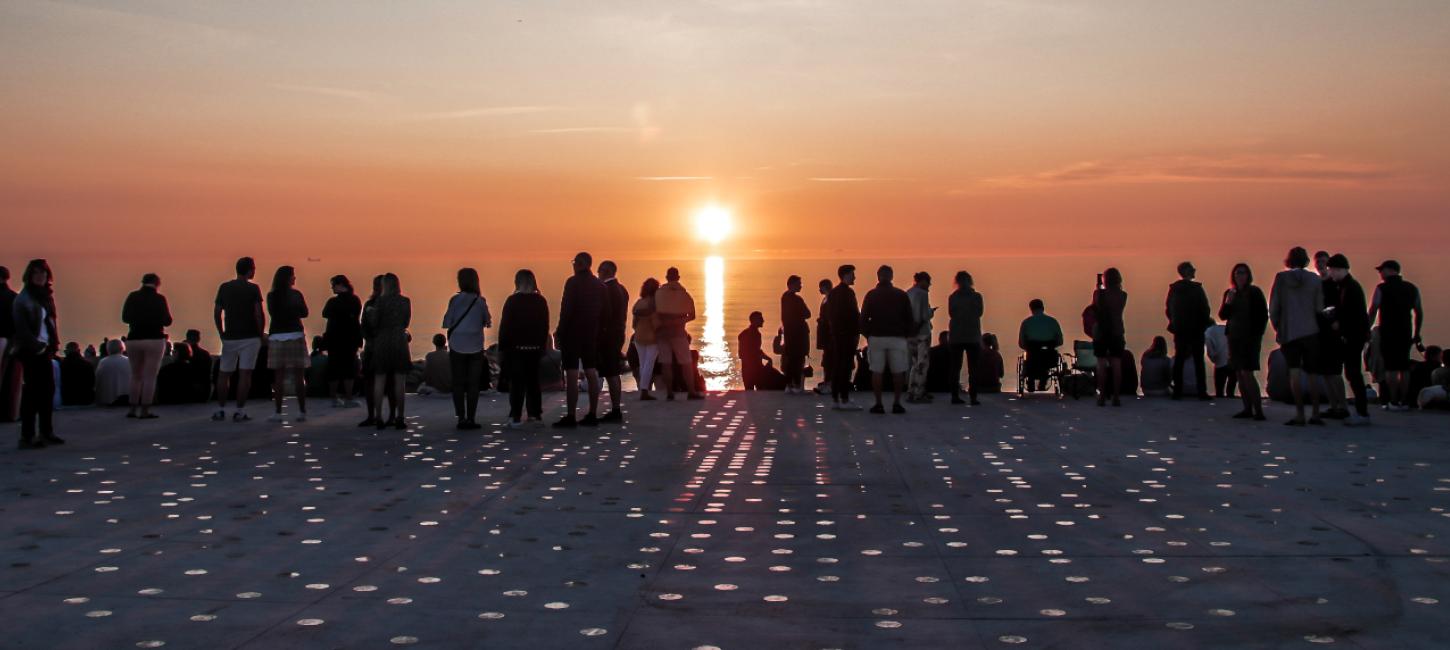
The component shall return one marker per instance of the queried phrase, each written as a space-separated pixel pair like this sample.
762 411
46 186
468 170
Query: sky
168 128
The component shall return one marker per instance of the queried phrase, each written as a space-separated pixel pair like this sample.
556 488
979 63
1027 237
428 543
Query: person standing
1188 316
920 342
523 335
1247 316
1110 338
844 324
9 377
341 337
674 307
1329 370
1295 303
240 321
887 321
148 315
387 320
466 318
36 340
613 322
823 337
577 337
1350 323
287 341
644 336
965 308
1401 314
796 336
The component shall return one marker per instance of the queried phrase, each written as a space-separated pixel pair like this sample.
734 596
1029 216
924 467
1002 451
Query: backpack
1090 319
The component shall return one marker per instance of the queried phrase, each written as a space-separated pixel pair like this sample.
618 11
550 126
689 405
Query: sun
713 223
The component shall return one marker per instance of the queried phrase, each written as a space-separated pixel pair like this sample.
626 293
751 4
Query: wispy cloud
485 111
674 178
587 129
1241 168
329 91
143 24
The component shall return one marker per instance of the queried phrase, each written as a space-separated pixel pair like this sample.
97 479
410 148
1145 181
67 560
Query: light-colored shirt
467 324
113 379
43 336
920 311
1216 340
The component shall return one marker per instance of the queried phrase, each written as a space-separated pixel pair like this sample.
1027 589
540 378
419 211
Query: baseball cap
1388 264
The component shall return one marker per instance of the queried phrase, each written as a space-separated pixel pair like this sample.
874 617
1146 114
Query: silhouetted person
614 320
113 376
939 377
201 360
645 327
179 382
342 337
752 356
36 339
844 324
1039 337
9 371
465 320
887 321
577 337
919 345
523 336
1295 303
148 315
1349 322
1188 316
674 307
77 378
437 373
388 319
965 308
240 322
1247 316
1328 369
1109 335
796 335
287 341
368 369
1397 305
823 336
1156 368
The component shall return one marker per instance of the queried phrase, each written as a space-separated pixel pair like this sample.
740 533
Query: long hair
44 294
377 287
342 281
1233 275
525 282
1113 278
282 279
468 281
391 286
648 289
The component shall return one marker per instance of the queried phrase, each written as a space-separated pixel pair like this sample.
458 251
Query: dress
1109 339
390 317
1247 317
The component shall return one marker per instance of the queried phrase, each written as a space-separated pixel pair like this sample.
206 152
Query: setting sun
713 224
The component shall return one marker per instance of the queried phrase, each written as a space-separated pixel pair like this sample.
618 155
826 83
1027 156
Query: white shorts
887 353
240 353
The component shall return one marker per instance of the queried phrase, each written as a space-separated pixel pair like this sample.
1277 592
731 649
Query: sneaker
974 402
878 410
897 409
849 405
566 422
219 416
241 416
589 420
277 417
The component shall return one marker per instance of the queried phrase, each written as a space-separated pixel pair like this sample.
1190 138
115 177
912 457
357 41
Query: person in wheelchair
1039 337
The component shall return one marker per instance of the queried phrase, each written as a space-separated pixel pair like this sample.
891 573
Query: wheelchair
1051 380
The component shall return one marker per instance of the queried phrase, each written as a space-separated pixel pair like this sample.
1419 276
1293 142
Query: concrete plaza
744 521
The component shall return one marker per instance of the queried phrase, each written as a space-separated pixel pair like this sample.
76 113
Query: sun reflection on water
716 363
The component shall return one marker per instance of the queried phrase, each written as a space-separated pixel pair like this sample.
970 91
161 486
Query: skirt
390 353
287 355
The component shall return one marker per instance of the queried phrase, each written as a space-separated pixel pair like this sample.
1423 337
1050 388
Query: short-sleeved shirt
239 300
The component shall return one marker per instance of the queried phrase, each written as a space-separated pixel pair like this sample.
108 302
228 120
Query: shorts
239 354
885 353
1109 347
1395 352
288 355
580 354
609 359
674 350
1301 353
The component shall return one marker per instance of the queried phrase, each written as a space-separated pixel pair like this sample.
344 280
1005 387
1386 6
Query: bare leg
223 382
299 379
614 390
380 382
1294 377
244 388
400 390
876 386
897 381
667 375
278 377
592 376
571 391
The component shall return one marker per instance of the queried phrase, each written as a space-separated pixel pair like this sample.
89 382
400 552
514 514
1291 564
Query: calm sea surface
726 290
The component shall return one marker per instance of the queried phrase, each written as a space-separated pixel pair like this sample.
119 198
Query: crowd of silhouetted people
1328 332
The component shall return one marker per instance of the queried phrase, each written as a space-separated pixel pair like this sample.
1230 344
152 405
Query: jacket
524 324
29 324
1247 316
966 308
1187 309
844 317
920 312
580 309
1350 311
1294 305
615 314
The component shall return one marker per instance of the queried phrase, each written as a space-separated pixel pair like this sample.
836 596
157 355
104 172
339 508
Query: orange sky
343 128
